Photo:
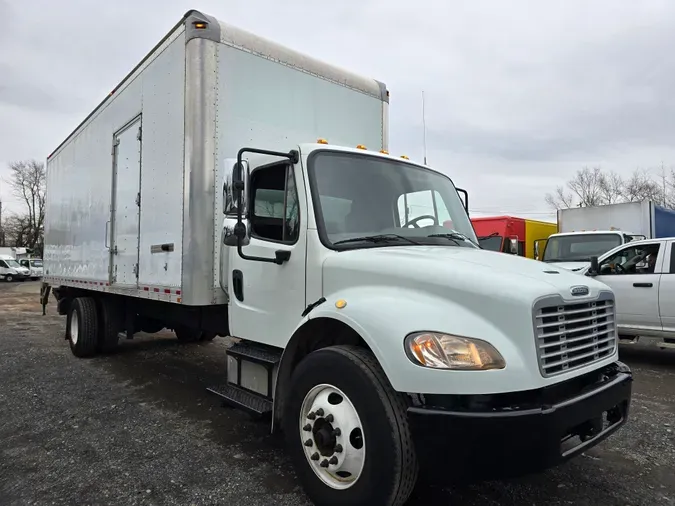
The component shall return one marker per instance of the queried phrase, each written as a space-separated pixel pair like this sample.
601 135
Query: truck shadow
642 355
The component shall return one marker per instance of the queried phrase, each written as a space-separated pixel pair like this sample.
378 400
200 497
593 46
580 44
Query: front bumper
513 434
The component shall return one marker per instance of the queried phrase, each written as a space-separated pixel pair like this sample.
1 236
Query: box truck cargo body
133 206
231 186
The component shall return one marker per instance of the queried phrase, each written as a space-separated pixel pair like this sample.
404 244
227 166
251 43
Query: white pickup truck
642 275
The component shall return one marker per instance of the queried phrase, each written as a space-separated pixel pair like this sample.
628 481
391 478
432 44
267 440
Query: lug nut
324 463
309 442
307 427
338 448
311 416
333 461
319 412
315 456
330 418
337 432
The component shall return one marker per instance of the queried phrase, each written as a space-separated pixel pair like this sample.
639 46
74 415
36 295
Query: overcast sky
519 94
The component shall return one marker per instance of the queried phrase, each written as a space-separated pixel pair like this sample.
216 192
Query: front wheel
9 278
347 431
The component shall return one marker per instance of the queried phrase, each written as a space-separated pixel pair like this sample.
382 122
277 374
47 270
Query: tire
389 467
187 334
109 319
82 327
207 336
9 278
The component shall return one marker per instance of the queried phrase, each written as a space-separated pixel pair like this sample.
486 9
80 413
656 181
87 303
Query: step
243 399
666 344
255 353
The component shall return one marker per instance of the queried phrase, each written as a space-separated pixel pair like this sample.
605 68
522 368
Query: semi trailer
229 186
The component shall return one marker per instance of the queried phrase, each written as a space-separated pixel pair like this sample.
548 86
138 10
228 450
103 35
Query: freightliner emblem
579 290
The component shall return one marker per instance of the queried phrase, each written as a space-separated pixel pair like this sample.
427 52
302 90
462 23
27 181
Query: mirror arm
240 229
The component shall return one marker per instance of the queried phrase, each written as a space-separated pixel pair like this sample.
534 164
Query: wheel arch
312 335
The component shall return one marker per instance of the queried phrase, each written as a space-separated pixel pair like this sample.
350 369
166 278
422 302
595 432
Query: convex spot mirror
236 184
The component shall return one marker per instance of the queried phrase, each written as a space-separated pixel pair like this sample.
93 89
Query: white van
34 265
11 270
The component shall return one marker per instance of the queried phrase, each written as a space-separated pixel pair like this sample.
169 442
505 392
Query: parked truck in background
197 197
510 234
584 232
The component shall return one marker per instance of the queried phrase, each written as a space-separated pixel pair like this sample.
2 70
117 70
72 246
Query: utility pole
424 130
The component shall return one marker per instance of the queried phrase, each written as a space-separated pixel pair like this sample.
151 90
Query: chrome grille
573 335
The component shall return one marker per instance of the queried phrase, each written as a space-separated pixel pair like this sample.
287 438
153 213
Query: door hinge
114 251
136 270
138 199
139 135
116 143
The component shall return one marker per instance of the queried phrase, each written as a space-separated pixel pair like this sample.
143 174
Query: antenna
424 129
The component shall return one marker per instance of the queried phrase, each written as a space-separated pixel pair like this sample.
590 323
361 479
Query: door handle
643 285
107 234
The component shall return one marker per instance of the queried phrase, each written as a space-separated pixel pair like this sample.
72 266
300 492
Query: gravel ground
138 427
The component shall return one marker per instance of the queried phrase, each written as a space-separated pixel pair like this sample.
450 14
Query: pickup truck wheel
83 327
187 334
347 430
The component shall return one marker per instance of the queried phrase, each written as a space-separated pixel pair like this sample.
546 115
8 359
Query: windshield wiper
493 234
377 238
455 236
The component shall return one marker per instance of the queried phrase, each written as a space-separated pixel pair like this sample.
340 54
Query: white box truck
585 232
212 193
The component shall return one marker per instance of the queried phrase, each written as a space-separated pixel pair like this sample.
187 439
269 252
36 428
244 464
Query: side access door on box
126 205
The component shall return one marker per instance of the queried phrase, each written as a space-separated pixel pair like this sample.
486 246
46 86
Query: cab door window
274 211
636 259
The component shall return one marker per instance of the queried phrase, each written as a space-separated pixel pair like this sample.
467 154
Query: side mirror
513 245
594 269
236 184
536 250
465 200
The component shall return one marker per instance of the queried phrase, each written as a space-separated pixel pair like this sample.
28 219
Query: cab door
267 299
635 282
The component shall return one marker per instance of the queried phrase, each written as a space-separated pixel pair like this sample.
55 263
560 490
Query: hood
468 271
570 266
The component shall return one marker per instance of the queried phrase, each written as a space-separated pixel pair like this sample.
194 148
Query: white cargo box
134 194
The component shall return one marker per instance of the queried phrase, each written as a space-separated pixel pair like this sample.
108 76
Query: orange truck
510 234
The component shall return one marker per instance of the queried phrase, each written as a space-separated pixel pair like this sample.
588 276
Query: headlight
443 351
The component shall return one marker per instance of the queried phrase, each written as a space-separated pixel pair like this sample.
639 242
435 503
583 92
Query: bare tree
27 180
641 187
588 187
611 188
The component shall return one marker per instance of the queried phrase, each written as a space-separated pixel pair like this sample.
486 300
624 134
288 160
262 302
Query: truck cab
573 250
367 325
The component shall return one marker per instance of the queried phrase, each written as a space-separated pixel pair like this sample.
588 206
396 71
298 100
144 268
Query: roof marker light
361 146
199 25
321 141
405 157
384 151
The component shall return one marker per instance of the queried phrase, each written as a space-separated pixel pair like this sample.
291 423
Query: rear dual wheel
92 326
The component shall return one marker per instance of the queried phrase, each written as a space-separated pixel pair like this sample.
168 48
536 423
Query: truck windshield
491 242
365 201
36 263
12 263
579 247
